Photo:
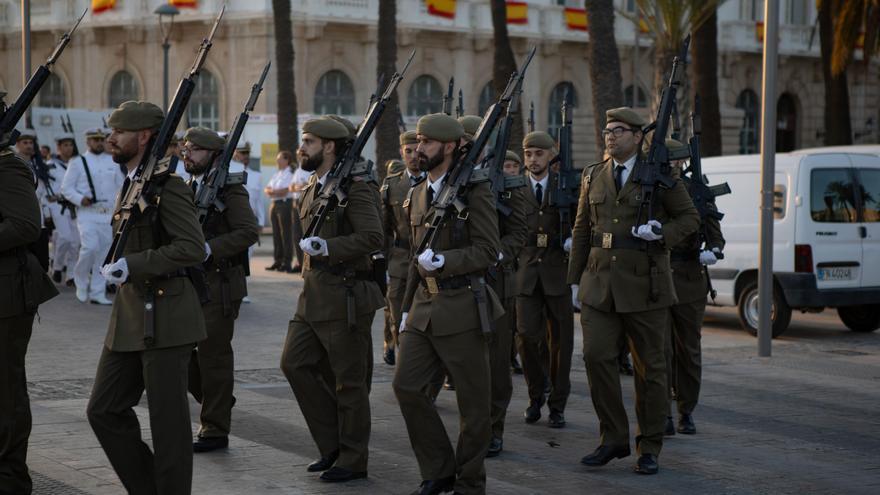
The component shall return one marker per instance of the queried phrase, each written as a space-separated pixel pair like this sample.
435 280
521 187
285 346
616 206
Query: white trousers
65 240
96 235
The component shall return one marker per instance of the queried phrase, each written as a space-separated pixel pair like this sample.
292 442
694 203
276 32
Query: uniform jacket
619 279
157 247
514 232
396 223
688 273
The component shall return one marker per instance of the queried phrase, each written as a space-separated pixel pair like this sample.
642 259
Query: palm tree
704 68
387 129
288 138
605 78
503 64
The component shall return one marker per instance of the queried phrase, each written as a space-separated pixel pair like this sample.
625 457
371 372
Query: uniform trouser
394 300
15 408
96 236
65 240
327 366
499 366
533 331
646 332
296 233
684 363
211 370
120 381
282 231
465 356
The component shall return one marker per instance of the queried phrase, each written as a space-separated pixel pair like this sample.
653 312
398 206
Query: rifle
335 184
143 191
400 123
208 198
459 109
68 128
447 98
565 195
104 121
531 123
12 114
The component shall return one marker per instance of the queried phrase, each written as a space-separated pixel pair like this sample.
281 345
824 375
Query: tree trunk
503 64
387 130
605 78
838 128
288 138
704 67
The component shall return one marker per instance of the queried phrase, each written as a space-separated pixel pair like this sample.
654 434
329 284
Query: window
123 87
334 94
640 102
870 189
748 132
562 91
487 98
204 105
425 96
751 10
52 94
831 196
797 11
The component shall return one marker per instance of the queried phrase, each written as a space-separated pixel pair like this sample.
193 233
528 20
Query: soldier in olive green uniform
229 234
163 241
440 324
543 302
622 267
24 285
327 350
396 223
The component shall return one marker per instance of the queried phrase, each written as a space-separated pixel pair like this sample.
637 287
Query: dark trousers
120 381
282 230
499 353
297 233
684 356
15 407
394 300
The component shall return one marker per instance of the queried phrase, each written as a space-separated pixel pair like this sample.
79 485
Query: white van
826 238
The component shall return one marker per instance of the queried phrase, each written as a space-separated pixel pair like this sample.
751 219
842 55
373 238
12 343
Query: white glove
116 273
575 301
500 256
308 246
427 261
402 326
207 251
646 233
708 257
566 246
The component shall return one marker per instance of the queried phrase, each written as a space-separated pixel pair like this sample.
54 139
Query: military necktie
539 193
430 195
125 185
618 176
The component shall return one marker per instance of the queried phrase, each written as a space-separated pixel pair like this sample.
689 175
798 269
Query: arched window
786 123
204 105
334 94
640 102
52 94
123 87
560 92
487 97
425 96
748 132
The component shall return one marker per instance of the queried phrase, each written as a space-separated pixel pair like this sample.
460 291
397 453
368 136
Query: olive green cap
352 130
677 150
204 138
470 123
538 139
393 167
440 127
325 128
512 156
408 137
136 116
626 115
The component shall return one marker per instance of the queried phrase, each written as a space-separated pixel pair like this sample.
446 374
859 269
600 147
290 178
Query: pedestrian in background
282 208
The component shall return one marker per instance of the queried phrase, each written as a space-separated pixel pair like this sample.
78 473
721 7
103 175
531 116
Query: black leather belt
341 271
606 240
282 200
684 255
400 243
435 285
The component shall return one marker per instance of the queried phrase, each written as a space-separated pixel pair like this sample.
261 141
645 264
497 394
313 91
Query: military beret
136 116
65 136
512 156
393 167
27 134
440 127
408 137
352 130
204 138
243 147
626 115
470 123
677 150
538 139
325 128
95 132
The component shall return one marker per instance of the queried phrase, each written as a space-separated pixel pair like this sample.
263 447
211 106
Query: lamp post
163 11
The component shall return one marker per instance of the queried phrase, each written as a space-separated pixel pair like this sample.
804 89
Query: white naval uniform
65 238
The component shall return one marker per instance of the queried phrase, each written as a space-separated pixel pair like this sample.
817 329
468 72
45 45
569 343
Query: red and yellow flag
759 31
576 19
441 8
517 12
99 6
184 4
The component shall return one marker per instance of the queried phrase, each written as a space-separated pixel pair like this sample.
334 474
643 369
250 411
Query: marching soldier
25 147
229 234
440 323
470 123
397 233
622 268
327 352
91 183
26 286
155 299
544 303
65 240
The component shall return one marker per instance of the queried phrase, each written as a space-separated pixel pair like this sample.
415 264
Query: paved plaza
805 421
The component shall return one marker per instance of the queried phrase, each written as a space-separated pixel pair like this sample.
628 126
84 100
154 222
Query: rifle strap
89 178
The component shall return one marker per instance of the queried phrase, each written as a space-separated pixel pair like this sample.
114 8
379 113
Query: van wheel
747 308
864 318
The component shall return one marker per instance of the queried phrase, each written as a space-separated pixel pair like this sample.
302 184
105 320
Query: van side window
870 182
832 198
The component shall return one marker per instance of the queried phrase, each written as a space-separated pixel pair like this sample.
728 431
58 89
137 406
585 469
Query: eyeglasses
187 150
617 131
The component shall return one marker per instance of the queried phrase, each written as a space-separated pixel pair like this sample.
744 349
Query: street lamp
163 11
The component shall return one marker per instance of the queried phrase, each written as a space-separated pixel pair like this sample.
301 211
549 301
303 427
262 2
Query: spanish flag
576 19
441 8
99 6
184 4
517 12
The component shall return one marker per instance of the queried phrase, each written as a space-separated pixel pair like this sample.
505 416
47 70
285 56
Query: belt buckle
542 240
307 262
433 288
607 239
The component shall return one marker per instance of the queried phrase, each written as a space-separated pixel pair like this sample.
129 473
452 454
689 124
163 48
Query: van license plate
837 273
